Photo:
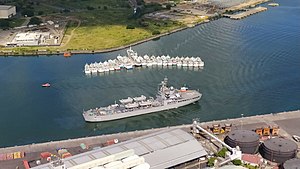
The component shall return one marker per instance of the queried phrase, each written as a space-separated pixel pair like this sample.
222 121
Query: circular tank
292 164
278 150
247 140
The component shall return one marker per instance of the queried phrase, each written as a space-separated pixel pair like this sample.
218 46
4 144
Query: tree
168 6
90 8
4 24
27 12
222 152
40 12
35 21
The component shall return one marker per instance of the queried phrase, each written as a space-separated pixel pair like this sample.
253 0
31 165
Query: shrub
130 27
90 8
222 152
156 32
211 161
35 21
237 162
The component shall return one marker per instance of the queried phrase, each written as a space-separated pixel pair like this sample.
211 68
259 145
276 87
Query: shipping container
45 155
17 155
26 164
2 157
10 156
62 151
65 155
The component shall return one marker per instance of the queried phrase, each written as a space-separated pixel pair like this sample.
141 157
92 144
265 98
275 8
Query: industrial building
29 39
247 140
163 149
7 11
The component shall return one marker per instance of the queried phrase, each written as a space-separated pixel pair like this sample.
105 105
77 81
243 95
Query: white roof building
7 11
163 149
30 39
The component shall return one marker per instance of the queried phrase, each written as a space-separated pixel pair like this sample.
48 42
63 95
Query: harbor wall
133 134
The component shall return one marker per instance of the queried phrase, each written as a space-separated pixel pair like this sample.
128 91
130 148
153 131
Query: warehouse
29 39
7 11
163 149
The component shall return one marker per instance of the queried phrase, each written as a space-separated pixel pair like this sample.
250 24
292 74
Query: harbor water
252 66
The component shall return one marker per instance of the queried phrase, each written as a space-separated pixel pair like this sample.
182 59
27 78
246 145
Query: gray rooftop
5 7
161 149
243 136
292 164
280 145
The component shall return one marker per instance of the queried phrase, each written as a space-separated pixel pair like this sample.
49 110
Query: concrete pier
248 12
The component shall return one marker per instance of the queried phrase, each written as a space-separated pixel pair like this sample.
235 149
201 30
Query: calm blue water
252 66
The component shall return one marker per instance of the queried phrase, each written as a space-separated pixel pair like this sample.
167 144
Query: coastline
250 121
61 52
58 52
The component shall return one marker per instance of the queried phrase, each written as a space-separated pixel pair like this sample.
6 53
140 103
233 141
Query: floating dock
247 13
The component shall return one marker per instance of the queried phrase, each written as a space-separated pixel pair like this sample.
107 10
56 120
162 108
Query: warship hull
138 112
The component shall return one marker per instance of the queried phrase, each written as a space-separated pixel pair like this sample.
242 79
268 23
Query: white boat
201 64
196 64
87 71
100 70
184 64
111 68
165 63
128 67
154 62
126 101
141 98
190 64
94 70
106 69
146 57
117 67
131 105
145 103
144 63
179 63
159 63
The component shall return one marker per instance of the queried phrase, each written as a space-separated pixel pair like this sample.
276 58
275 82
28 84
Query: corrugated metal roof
161 149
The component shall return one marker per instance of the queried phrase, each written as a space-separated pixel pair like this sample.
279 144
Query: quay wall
133 134
246 13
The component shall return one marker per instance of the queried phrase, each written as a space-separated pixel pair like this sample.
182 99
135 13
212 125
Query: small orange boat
67 54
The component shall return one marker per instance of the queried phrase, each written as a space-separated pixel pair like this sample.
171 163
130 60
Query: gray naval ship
166 98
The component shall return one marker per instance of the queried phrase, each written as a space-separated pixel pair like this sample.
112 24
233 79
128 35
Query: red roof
249 158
